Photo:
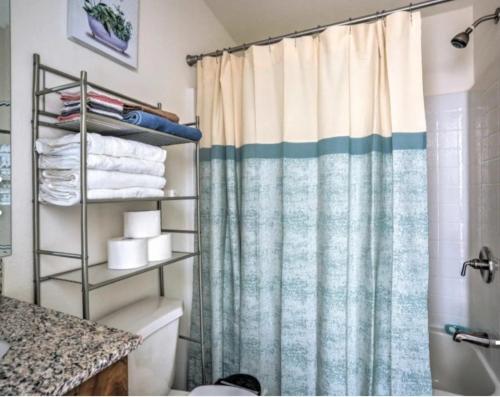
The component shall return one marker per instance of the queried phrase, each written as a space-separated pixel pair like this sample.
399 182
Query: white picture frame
108 27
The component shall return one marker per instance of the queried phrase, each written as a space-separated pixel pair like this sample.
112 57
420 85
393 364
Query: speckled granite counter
51 352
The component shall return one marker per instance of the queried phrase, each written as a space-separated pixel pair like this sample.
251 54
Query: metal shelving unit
94 276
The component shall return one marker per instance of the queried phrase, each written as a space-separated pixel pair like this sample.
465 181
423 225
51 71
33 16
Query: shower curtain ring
316 33
295 38
269 43
383 17
410 8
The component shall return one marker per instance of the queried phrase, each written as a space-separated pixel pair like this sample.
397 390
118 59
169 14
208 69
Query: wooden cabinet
112 381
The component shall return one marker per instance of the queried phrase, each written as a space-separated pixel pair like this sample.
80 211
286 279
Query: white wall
446 69
169 29
486 38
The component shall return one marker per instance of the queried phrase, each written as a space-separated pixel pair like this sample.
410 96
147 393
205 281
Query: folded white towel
69 145
98 179
69 197
102 162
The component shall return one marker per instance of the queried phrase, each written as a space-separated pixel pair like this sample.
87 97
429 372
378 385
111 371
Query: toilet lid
144 317
219 390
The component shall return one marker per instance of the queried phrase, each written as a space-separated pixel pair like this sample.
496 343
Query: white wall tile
447 121
449 157
448 139
452 231
449 176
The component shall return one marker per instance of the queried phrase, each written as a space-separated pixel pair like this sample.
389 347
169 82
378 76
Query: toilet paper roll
127 253
160 247
141 224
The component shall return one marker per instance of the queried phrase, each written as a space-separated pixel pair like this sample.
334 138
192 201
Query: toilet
151 367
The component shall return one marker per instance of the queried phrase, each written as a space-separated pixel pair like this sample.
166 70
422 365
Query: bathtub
460 368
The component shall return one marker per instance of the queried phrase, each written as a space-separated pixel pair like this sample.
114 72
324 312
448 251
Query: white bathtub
460 368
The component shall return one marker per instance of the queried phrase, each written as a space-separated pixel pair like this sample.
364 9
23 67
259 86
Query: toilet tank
151 366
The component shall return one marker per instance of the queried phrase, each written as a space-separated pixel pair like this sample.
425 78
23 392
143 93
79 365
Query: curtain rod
193 59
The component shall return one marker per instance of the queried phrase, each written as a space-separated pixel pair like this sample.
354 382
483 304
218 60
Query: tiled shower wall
485 199
447 126
485 196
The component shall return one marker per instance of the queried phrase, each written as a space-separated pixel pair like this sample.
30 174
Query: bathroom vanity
52 353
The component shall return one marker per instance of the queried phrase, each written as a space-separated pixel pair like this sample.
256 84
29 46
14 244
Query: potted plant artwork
108 24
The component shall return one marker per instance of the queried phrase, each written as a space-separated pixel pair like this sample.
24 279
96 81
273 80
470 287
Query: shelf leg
161 280
36 204
83 195
161 274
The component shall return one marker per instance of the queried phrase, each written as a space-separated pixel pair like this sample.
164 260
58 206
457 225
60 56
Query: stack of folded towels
96 103
144 116
116 168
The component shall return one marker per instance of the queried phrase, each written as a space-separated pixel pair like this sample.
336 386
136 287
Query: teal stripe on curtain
344 144
316 267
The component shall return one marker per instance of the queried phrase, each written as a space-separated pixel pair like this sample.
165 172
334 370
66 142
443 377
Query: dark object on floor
241 380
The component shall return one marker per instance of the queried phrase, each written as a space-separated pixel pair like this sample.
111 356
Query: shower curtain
314 213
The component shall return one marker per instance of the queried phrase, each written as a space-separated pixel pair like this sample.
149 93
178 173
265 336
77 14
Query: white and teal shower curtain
314 213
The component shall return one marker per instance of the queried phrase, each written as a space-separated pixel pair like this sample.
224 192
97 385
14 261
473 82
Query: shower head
462 39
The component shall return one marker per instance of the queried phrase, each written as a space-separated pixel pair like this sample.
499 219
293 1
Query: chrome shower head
462 39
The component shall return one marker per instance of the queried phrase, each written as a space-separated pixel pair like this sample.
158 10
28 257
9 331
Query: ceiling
250 20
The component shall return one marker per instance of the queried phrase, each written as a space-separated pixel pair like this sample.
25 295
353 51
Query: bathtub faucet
476 338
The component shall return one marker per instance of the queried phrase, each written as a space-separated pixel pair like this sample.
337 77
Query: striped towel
96 103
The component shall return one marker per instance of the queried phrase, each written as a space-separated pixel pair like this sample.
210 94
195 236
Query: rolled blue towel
148 120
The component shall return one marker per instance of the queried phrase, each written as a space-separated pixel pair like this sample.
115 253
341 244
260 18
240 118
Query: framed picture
109 27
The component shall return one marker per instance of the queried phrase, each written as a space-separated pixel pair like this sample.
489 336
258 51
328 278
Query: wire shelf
100 275
127 200
93 276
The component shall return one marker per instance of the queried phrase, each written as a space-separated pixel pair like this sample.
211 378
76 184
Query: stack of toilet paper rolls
142 241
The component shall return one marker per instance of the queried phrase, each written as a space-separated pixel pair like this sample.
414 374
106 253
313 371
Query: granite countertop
52 352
